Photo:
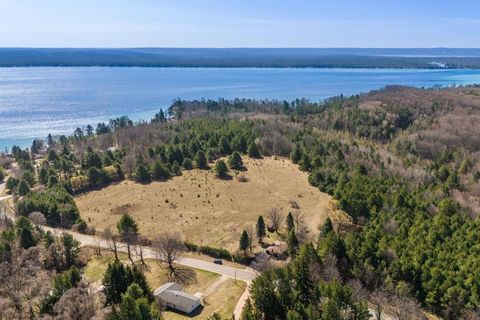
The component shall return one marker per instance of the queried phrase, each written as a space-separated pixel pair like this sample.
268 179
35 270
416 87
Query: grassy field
207 210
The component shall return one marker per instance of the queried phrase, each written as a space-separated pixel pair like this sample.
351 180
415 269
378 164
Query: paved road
246 275
228 271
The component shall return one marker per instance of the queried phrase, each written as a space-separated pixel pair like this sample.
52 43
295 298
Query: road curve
246 275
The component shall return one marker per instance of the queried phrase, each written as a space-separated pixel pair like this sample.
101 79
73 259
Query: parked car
218 261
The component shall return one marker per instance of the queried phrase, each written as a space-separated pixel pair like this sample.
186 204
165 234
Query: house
172 295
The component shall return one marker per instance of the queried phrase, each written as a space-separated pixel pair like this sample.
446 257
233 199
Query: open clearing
207 210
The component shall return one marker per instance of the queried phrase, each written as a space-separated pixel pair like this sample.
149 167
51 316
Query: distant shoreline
353 58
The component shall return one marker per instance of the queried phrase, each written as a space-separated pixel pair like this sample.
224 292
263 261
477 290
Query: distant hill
429 58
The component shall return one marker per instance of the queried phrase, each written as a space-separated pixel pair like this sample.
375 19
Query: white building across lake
172 295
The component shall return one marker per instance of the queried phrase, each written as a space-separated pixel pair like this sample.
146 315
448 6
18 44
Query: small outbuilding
172 295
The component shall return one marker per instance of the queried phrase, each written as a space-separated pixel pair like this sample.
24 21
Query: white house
172 295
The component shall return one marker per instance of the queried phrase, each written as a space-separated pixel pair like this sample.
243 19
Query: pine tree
128 230
23 188
200 160
253 151
235 161
224 146
220 169
326 228
114 283
261 229
142 174
296 154
244 242
293 243
290 223
159 172
248 312
11 183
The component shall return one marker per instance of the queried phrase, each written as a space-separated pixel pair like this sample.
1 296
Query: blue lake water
38 101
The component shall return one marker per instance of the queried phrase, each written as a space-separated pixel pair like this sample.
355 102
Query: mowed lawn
207 210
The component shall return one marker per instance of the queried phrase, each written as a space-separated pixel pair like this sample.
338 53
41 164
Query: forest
243 57
401 162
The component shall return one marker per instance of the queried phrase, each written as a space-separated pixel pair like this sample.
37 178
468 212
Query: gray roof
167 286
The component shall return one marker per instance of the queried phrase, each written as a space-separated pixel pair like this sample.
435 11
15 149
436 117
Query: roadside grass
206 210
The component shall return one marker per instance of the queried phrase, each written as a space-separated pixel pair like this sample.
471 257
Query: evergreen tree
289 222
220 169
24 232
43 176
235 161
327 227
11 184
159 116
248 312
142 174
224 146
293 243
260 228
159 172
296 154
253 151
128 230
244 242
200 160
52 181
114 283
71 248
187 164
22 189
2 174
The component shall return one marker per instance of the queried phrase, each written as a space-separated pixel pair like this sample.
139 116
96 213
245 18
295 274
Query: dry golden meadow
211 211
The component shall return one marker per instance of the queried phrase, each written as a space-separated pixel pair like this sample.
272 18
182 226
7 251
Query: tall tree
261 228
128 230
293 243
290 222
244 242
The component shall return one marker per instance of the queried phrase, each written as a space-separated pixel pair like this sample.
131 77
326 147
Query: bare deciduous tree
275 216
141 243
379 299
78 303
406 308
22 279
112 242
168 249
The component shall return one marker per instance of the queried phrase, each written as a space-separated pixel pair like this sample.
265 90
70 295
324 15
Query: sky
240 23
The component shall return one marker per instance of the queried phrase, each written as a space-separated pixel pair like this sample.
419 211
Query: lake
37 101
